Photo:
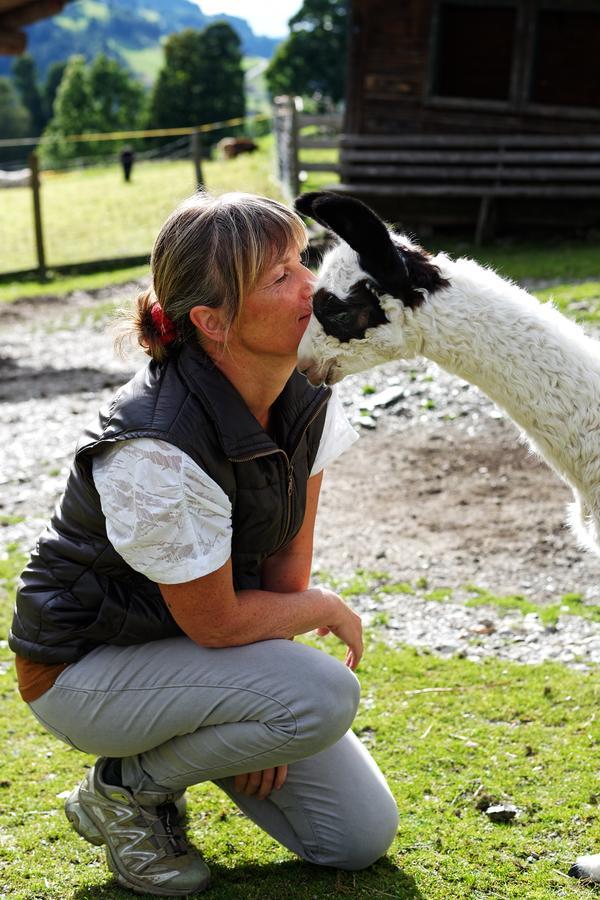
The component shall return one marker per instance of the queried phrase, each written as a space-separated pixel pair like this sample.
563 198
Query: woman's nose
309 280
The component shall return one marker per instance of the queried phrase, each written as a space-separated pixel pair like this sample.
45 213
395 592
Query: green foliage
26 81
15 120
201 81
101 97
312 61
54 77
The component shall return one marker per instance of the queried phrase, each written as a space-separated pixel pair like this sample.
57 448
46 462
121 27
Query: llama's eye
372 288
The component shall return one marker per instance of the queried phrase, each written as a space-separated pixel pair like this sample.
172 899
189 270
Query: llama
379 297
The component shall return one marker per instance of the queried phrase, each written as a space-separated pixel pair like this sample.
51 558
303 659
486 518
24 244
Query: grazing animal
230 147
380 297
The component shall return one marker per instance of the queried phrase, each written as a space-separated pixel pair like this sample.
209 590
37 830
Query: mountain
130 31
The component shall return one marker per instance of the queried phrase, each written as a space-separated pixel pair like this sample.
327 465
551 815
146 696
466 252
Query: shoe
146 847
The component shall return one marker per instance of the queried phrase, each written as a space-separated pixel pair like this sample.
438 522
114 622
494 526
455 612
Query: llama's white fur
527 357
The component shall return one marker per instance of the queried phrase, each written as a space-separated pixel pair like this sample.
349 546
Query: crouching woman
154 620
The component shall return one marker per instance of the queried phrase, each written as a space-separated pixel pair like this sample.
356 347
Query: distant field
91 214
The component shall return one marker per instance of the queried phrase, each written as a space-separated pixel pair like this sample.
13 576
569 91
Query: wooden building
15 14
474 95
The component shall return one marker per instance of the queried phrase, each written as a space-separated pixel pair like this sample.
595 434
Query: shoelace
167 835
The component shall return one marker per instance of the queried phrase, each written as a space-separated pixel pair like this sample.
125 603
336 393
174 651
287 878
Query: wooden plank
31 12
471 156
469 141
11 4
12 42
318 143
318 167
325 121
457 173
453 190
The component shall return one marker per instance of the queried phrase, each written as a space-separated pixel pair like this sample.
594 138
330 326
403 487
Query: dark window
566 68
474 51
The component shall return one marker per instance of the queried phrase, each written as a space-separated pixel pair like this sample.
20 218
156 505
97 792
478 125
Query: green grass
365 582
449 735
568 604
553 259
92 214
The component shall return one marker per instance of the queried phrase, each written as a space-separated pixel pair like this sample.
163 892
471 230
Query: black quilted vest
77 592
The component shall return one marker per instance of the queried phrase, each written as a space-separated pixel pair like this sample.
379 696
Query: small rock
501 812
383 398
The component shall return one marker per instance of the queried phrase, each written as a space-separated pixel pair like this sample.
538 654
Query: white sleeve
338 434
164 515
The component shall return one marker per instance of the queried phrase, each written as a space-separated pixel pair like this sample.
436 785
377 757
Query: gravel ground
439 492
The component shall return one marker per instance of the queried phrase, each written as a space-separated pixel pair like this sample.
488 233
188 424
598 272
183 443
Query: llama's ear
363 230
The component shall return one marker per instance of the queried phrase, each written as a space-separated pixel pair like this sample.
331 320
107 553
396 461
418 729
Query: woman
154 621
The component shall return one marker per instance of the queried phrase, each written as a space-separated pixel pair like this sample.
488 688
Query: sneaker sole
86 828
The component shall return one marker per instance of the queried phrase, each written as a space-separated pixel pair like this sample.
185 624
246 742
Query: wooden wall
397 60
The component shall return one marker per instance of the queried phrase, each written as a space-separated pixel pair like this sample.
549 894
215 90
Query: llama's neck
524 355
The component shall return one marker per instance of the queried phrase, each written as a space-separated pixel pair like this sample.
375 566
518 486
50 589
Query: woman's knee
331 695
369 840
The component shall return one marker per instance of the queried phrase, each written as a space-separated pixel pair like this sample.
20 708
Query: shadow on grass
293 880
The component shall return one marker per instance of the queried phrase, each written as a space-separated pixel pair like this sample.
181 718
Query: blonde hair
211 251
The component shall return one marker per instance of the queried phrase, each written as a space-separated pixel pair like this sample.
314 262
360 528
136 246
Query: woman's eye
281 278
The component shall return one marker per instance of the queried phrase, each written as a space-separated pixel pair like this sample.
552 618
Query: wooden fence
59 225
296 131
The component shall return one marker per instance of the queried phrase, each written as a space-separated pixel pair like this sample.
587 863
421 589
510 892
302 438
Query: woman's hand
347 626
260 784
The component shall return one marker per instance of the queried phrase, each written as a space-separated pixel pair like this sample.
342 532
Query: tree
54 77
117 97
202 79
312 61
102 97
26 81
15 121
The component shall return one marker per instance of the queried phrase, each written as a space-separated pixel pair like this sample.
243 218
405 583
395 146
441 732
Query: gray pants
179 714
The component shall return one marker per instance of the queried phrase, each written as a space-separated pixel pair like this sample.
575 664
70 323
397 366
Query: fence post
286 132
196 147
37 216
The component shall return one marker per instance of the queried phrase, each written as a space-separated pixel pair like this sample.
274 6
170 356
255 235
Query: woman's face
275 315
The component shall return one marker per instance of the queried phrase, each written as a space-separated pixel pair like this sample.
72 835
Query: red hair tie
163 325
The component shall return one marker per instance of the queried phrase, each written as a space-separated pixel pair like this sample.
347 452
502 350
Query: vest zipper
290 471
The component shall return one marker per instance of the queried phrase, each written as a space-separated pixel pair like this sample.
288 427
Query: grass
92 213
451 737
566 261
375 583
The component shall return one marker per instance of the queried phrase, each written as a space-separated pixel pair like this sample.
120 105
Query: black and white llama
379 297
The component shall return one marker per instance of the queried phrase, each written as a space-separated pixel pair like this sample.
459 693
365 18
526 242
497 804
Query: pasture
91 214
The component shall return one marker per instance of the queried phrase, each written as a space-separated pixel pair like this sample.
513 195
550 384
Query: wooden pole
196 147
37 216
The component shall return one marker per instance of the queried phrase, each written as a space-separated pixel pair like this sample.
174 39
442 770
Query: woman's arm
212 614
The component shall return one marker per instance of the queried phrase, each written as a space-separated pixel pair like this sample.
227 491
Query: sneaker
146 847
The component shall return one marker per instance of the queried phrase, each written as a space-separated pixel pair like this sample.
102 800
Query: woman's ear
209 322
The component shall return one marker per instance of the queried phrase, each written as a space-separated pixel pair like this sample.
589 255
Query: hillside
127 30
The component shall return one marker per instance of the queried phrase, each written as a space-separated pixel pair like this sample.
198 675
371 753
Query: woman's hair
211 251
